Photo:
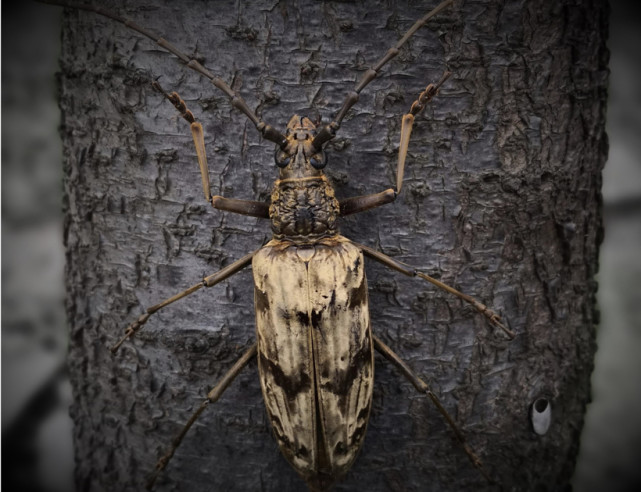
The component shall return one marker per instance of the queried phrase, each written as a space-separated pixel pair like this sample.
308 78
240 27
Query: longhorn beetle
314 345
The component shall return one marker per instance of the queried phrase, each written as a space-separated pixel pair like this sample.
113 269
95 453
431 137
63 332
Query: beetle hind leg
422 387
212 397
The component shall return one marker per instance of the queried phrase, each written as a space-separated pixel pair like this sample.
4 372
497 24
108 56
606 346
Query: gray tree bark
501 199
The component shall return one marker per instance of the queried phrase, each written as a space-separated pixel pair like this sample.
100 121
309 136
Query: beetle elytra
314 343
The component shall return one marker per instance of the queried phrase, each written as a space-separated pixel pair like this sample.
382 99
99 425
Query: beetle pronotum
317 389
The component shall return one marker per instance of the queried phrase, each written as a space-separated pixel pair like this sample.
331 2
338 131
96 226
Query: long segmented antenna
267 131
329 131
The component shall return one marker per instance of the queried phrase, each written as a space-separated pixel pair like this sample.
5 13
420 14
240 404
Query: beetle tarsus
131 330
160 467
476 461
493 318
177 102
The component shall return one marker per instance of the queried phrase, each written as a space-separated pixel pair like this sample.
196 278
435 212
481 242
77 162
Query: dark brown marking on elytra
356 265
291 385
316 322
343 381
302 452
340 449
277 426
359 432
358 296
261 300
282 437
316 319
303 318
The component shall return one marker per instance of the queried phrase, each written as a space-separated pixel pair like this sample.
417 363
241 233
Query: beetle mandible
316 378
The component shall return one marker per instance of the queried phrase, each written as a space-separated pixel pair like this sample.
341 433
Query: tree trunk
501 200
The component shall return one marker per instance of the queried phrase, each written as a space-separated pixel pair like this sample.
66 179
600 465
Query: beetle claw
495 319
130 331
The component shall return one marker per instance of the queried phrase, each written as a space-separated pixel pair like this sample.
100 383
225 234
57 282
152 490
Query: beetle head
299 158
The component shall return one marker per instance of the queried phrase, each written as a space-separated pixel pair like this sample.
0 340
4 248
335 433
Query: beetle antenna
267 131
328 132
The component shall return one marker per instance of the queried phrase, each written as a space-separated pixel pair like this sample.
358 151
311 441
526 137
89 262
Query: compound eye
281 158
319 160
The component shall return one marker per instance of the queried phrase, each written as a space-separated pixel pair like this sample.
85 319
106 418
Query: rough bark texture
501 199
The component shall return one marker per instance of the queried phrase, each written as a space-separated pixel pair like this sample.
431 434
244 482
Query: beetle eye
281 158
319 161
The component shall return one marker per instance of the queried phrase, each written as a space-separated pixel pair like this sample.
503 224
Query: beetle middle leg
422 387
405 269
212 397
209 281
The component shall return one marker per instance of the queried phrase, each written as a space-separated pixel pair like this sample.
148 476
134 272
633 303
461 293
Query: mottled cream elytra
314 342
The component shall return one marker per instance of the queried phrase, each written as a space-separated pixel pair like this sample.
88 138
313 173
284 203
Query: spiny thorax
303 210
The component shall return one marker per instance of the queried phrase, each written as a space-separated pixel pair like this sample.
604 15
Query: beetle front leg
212 397
243 207
405 269
422 387
362 203
209 281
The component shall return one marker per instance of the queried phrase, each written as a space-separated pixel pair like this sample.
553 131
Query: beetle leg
196 132
361 203
243 207
357 204
209 281
212 397
405 269
422 387
408 121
